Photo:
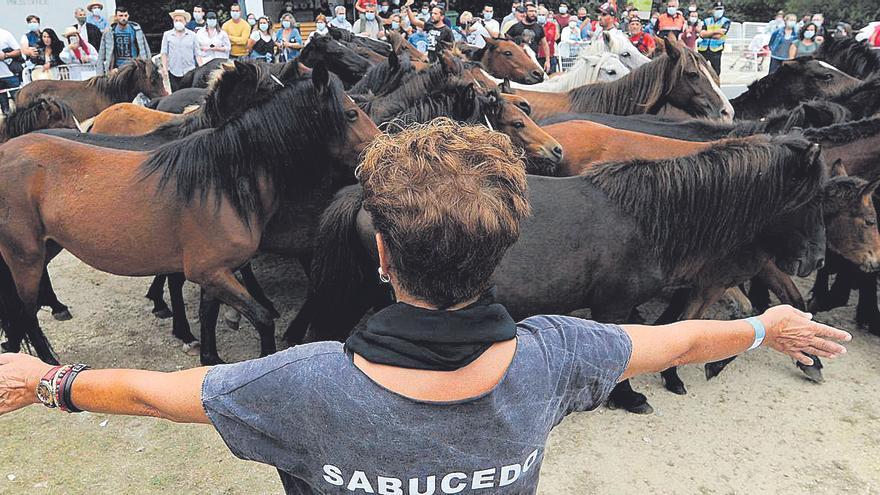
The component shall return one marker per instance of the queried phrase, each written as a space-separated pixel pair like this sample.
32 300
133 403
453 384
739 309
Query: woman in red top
551 34
642 40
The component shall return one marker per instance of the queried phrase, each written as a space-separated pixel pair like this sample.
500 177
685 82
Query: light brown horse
88 98
504 59
196 206
680 78
588 143
129 119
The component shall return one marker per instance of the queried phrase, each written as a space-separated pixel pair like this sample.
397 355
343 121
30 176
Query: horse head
618 44
544 153
145 78
851 219
336 57
504 59
692 86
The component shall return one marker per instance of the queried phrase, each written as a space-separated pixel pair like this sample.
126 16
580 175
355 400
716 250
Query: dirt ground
760 427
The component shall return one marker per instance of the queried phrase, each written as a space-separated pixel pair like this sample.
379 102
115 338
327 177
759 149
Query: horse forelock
284 138
707 204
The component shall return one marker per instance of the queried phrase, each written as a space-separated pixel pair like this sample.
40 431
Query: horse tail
340 290
10 304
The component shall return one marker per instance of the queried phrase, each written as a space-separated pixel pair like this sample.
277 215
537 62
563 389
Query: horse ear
869 188
837 169
289 71
320 77
393 61
813 154
673 51
490 41
504 87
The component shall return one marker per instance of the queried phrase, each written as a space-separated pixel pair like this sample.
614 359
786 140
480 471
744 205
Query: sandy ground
760 427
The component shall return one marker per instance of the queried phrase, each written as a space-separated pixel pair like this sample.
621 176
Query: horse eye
624 54
508 53
828 76
870 222
351 115
612 72
518 124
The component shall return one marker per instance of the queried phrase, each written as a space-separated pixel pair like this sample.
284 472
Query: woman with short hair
288 40
806 43
441 392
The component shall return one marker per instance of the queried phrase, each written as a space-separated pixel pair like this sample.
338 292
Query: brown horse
680 78
588 143
88 98
129 119
41 113
196 206
504 59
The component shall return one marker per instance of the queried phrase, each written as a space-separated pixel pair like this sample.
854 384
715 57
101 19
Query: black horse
854 57
337 57
795 81
178 101
41 113
609 240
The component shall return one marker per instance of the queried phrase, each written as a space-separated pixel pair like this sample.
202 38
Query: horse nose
820 263
557 152
538 74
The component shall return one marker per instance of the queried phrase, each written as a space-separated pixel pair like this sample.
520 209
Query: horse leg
253 287
699 302
740 305
867 313
180 323
48 297
676 306
296 330
623 396
156 293
209 310
223 285
25 271
759 294
819 293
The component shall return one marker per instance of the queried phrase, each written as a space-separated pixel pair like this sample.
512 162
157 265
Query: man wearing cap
671 21
538 42
607 19
339 21
180 49
97 17
713 36
122 43
640 39
87 31
213 41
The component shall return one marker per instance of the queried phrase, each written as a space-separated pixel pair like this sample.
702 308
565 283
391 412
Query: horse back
85 101
128 119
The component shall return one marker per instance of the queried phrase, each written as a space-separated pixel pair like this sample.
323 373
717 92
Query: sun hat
180 12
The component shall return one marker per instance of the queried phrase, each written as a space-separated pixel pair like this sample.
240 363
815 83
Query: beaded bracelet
66 403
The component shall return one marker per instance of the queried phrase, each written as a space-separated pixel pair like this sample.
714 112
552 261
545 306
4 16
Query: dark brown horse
196 206
630 230
795 81
41 113
854 57
88 98
680 78
337 57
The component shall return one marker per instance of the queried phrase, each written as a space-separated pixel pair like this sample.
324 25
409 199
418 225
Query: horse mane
278 139
782 120
382 78
845 132
712 202
863 99
118 85
415 85
640 91
453 97
854 57
25 119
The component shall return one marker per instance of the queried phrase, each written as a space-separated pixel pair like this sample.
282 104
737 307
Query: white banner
55 14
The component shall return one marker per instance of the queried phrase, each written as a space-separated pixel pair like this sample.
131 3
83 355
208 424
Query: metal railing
74 72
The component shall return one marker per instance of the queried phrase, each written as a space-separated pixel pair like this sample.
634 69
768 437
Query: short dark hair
444 252
32 16
198 6
120 8
235 4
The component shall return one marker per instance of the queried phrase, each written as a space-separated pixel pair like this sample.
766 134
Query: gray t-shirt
328 428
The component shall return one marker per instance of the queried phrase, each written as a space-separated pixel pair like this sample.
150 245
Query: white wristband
760 331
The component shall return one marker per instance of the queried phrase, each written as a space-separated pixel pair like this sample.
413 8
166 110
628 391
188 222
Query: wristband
760 331
67 387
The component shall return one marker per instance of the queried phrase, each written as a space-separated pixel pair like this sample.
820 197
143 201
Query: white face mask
264 27
818 22
235 15
487 16
719 14
340 17
252 22
72 40
809 34
285 24
563 9
198 16
178 26
321 27
211 23
96 11
671 10
34 26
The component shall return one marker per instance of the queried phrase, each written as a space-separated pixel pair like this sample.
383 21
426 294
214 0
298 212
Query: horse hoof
211 360
713 369
676 388
62 315
813 373
7 347
643 408
193 348
163 313
231 324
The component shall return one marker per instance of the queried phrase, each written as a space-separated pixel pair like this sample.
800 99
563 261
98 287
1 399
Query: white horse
588 69
619 44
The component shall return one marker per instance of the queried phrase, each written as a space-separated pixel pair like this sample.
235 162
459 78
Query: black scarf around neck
411 337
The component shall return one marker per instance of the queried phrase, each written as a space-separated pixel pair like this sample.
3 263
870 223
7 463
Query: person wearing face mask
651 27
781 41
691 32
384 13
369 24
436 31
713 36
806 44
538 42
213 41
320 29
819 21
261 45
78 50
339 20
288 40
585 24
511 17
122 43
87 32
570 41
562 16
394 25
489 22
551 34
180 49
30 41
198 19
671 22
96 15
472 30
239 32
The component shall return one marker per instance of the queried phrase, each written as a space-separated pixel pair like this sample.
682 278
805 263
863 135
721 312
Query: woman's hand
793 332
19 376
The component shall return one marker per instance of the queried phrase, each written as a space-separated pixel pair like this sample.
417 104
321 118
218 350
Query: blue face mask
285 24
671 10
320 26
34 26
370 16
809 34
487 16
340 17
383 9
718 14
395 25
542 19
